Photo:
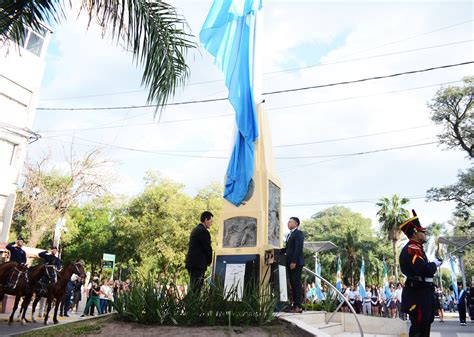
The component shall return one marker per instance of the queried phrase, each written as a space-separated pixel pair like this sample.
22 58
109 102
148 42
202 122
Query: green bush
149 303
329 304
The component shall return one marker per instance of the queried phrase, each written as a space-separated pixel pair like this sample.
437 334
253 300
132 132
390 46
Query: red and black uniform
418 295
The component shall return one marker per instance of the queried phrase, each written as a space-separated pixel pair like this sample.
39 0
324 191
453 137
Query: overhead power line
357 153
154 123
294 144
352 201
330 63
265 93
368 78
287 70
225 157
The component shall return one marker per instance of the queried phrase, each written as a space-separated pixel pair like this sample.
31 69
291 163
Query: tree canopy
355 238
452 107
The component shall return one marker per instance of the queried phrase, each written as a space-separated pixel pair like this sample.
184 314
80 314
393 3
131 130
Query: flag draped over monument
228 34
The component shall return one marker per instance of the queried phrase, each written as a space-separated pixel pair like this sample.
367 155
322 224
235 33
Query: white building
21 73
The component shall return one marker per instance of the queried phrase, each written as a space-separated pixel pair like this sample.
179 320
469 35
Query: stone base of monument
345 325
234 272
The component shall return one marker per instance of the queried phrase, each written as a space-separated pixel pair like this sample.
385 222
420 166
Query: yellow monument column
247 231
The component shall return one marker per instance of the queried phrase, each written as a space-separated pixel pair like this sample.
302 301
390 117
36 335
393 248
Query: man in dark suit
200 252
295 262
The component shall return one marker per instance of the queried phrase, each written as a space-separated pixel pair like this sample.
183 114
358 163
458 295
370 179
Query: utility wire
357 153
265 93
354 137
407 38
222 157
357 97
368 78
108 126
285 70
353 201
323 64
294 144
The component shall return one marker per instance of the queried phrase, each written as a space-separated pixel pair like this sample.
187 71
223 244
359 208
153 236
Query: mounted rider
17 254
53 265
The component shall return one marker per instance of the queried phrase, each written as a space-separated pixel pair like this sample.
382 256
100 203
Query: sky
305 43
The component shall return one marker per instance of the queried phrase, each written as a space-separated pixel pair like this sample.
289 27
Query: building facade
21 74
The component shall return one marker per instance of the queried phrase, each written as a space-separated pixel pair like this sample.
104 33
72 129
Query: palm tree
151 29
391 214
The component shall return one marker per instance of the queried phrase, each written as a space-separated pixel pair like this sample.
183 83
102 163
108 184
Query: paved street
449 328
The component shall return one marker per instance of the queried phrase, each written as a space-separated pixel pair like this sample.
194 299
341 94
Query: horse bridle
19 273
77 268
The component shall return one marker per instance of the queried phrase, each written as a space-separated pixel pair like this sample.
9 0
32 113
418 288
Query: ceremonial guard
17 254
418 294
52 258
53 264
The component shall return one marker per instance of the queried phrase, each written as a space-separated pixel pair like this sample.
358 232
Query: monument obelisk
250 220
248 231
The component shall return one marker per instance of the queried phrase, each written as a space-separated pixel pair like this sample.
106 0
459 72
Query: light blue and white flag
454 282
362 279
339 274
386 286
228 34
319 292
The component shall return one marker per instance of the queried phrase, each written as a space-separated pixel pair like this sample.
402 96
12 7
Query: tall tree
452 107
391 214
48 192
151 29
354 237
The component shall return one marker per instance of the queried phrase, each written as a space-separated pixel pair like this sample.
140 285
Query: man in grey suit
295 262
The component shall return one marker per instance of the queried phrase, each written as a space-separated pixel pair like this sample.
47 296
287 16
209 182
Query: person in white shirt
104 295
398 292
366 303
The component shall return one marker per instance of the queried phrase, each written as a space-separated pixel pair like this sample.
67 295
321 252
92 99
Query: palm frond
155 33
16 16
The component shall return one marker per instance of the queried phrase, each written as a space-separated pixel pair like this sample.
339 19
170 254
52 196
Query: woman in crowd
375 301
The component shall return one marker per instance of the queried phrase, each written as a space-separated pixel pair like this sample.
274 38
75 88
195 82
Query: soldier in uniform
17 254
52 258
53 264
418 294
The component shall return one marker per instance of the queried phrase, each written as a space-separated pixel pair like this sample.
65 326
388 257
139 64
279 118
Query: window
7 152
34 40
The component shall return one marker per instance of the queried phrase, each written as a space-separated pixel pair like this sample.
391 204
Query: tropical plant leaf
151 29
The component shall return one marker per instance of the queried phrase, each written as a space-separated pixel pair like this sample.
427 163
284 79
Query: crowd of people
381 302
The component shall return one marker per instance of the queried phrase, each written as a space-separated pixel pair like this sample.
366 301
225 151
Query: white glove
437 262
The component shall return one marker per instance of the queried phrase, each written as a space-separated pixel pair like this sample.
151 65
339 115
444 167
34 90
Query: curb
50 326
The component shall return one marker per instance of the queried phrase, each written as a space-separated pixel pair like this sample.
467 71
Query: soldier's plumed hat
412 225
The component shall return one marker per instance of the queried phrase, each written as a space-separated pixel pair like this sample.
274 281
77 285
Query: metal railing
341 295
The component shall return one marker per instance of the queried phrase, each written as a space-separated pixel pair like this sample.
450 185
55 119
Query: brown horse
5 270
57 290
35 274
16 282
